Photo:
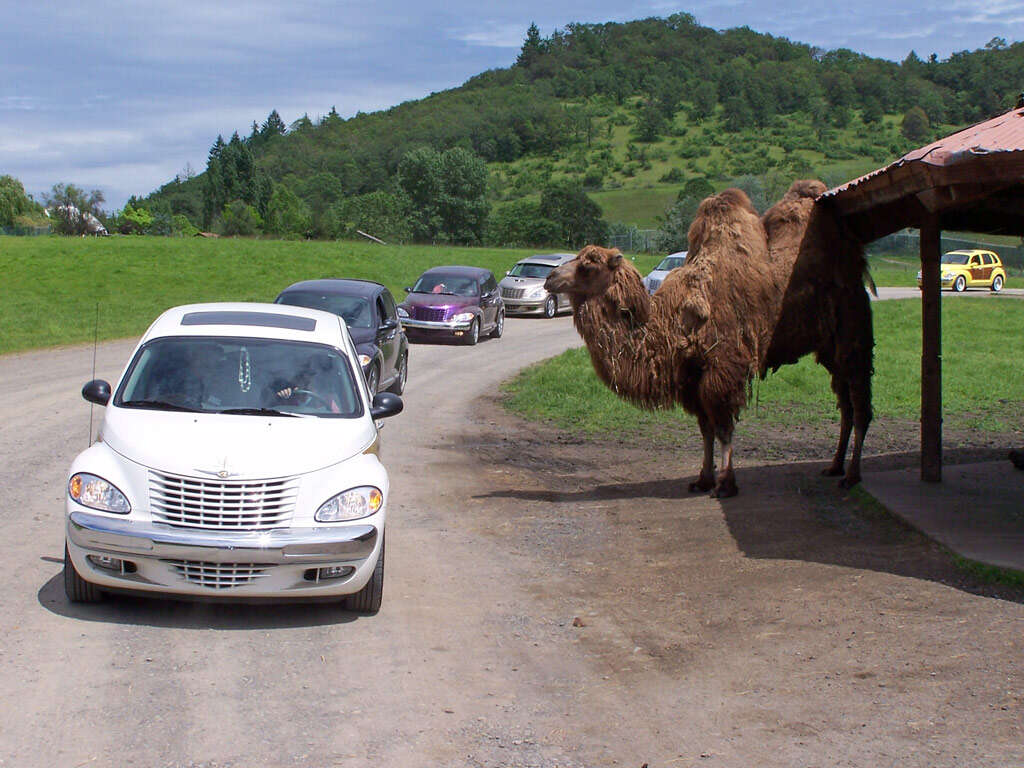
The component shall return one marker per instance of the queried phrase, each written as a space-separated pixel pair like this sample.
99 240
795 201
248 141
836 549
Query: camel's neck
629 345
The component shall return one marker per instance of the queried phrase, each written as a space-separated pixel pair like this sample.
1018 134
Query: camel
699 341
824 309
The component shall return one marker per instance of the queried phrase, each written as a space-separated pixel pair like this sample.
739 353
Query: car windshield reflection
670 263
531 270
455 285
241 376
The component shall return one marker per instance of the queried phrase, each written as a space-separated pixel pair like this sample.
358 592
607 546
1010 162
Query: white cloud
493 35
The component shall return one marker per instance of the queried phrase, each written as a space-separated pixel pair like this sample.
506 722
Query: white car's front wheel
369 598
76 588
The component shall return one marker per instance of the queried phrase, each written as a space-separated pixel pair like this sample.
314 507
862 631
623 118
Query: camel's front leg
706 480
726 483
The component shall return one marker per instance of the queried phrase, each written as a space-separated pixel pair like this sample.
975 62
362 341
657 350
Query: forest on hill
643 116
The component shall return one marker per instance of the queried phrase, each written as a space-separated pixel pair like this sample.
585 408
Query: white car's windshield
531 270
244 376
671 262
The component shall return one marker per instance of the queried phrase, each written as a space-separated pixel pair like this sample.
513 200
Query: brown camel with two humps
699 341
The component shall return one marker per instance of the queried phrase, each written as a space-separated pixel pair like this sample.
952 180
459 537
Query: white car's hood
199 444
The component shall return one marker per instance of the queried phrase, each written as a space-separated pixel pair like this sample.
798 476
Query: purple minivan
460 302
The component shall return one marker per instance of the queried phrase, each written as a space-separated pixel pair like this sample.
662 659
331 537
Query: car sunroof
263 319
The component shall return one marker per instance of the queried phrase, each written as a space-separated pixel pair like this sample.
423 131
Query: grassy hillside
634 182
632 111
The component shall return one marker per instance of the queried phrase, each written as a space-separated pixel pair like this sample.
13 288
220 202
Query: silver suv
522 288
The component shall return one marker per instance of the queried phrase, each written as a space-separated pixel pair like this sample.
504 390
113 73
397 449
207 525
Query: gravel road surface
547 603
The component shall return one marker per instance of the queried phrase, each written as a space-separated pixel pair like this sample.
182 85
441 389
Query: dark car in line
453 302
370 313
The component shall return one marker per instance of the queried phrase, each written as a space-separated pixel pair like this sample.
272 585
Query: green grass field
981 384
53 284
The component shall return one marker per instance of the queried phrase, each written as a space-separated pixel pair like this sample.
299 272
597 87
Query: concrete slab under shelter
977 511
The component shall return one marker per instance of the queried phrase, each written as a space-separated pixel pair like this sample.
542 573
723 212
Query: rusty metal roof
973 179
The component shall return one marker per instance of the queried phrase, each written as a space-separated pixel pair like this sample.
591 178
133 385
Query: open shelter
971 180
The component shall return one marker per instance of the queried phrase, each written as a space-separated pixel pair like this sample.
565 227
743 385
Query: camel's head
590 274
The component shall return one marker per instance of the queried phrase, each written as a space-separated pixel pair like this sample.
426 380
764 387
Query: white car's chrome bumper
184 561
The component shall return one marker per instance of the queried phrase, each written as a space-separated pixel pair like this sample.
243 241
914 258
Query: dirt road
547 603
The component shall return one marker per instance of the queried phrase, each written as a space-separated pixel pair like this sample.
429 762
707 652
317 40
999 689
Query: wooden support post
931 351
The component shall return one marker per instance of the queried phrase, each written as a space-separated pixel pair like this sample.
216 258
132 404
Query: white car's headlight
403 312
364 360
351 505
463 317
537 290
96 493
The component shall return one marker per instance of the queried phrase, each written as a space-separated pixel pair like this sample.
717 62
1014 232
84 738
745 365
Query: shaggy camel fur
824 309
699 340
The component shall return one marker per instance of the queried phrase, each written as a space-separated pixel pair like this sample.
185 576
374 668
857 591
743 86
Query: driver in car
306 388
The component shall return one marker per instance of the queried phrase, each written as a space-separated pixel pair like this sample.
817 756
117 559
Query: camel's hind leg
706 480
725 485
842 389
860 394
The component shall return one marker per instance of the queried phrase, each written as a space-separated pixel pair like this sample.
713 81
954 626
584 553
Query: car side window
987 258
389 305
382 313
973 262
489 285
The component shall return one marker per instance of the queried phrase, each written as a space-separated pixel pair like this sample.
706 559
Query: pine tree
532 49
273 126
216 149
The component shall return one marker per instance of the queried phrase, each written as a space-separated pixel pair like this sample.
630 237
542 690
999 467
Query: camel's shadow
792 512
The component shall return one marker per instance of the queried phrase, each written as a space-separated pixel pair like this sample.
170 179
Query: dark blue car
369 311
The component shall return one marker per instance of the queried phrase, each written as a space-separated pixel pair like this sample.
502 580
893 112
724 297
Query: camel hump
731 199
811 188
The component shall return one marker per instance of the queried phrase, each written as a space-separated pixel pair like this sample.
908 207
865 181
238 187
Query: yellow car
976 268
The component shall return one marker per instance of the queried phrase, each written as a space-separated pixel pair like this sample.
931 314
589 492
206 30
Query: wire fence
634 240
24 231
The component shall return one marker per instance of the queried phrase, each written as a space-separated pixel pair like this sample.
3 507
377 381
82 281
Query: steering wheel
312 396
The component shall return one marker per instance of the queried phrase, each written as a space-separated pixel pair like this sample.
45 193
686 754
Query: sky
122 97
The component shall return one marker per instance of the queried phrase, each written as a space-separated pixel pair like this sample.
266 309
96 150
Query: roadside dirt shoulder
789 625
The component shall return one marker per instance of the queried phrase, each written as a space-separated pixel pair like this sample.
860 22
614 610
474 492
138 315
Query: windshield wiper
160 405
261 412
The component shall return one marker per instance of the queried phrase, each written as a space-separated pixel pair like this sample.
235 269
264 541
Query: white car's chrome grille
219 575
192 502
513 293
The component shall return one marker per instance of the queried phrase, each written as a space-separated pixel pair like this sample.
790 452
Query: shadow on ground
784 512
181 614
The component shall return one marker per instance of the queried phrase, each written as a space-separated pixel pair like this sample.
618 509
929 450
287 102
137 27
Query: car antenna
95 343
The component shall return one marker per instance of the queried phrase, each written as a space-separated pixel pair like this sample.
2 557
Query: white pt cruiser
238 457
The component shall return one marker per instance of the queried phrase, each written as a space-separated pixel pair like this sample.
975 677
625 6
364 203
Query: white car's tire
76 588
369 598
